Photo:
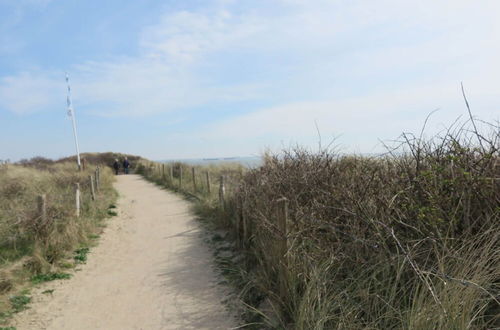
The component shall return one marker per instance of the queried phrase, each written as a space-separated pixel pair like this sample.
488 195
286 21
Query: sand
150 270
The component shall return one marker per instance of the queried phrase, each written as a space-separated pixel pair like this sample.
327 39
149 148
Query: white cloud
359 122
134 87
186 36
300 49
27 92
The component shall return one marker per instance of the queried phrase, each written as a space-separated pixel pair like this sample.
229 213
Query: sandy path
149 271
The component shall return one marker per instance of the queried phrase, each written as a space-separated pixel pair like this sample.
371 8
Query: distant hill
93 158
103 158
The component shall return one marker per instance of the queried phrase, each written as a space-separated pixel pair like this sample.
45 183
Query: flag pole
71 113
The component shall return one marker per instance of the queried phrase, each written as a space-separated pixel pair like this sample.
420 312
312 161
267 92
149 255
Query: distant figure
126 165
116 166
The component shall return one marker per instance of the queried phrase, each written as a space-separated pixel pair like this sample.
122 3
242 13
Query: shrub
409 239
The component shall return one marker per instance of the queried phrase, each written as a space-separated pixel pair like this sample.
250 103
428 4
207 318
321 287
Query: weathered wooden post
452 169
42 207
171 174
163 172
222 191
242 226
180 176
194 179
96 178
282 218
84 163
208 181
244 223
282 224
237 225
92 191
77 199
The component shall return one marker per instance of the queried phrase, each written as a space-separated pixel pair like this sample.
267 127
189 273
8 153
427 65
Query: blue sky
189 79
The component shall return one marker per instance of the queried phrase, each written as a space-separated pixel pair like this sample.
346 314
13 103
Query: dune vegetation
37 243
406 240
103 158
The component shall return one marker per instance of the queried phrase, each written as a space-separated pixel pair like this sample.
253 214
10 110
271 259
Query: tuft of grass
112 213
80 256
40 278
50 291
19 302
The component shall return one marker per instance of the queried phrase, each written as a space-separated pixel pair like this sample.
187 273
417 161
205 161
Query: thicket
31 246
406 240
101 158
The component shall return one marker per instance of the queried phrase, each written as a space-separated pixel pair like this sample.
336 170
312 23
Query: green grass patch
19 302
112 213
40 278
48 291
80 256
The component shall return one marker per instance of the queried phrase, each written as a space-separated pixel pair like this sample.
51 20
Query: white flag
68 98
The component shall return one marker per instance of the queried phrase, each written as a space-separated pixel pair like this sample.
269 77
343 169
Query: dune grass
408 240
36 250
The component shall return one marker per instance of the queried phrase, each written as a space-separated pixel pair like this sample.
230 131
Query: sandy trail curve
150 270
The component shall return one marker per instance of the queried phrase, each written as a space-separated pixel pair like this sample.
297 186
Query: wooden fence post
42 207
77 199
282 224
208 181
282 218
222 190
84 163
243 224
194 179
237 225
163 172
180 176
96 178
171 171
92 191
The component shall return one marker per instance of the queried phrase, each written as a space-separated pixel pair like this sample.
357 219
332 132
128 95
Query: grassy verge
36 249
410 240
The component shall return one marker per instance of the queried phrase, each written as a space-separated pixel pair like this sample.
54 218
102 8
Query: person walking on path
126 165
116 166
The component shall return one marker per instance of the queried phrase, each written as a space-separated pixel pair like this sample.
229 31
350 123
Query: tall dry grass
409 240
30 246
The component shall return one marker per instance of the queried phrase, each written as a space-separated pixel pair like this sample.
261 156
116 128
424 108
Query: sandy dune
149 271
